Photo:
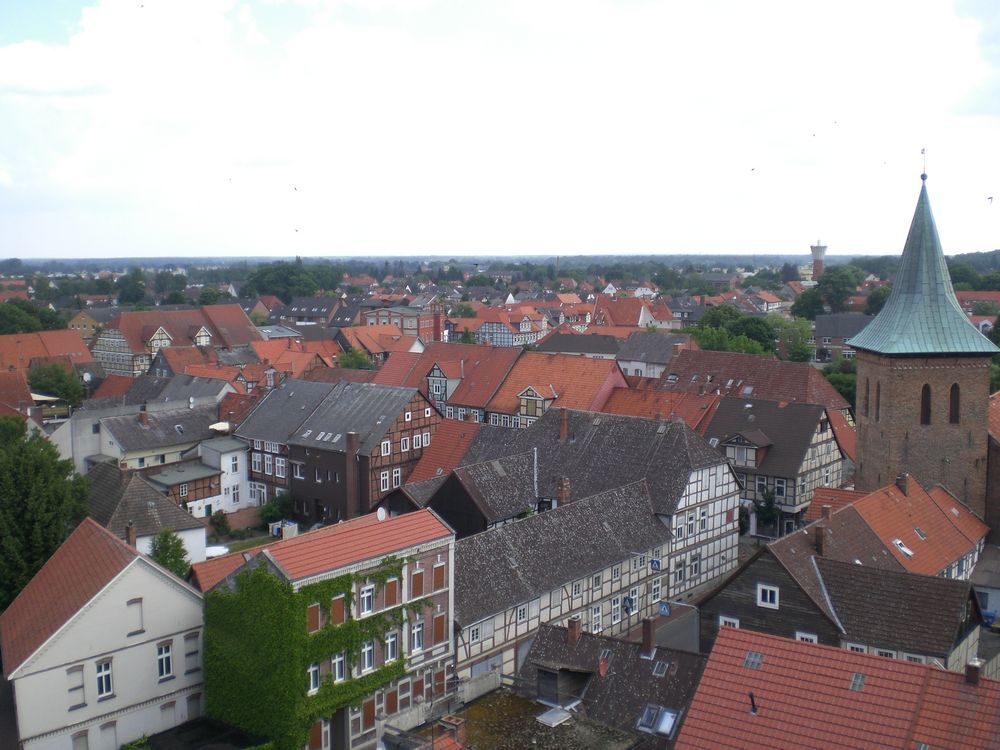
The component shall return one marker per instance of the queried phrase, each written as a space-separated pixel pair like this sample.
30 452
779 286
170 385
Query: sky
190 128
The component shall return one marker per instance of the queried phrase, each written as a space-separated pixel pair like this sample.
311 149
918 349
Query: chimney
903 482
972 670
573 630
648 631
143 415
437 323
827 512
352 488
562 491
454 727
563 424
822 539
130 535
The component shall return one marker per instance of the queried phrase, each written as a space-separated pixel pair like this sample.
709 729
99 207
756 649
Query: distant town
570 502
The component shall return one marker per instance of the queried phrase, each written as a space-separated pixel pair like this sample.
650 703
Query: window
367 600
299 471
857 681
386 447
391 647
74 685
80 741
690 524
272 447
753 660
165 660
408 416
679 570
596 625
427 439
427 411
255 462
397 477
313 673
954 404
925 404
728 622
279 467
886 653
703 523
418 636
416 440
596 582
475 634
522 613
761 484
449 412
657 720
367 656
183 490
857 648
679 529
142 461
616 573
461 413
105 688
234 465
338 667
384 481
192 654
806 637
268 463
616 610
655 588
767 596
404 444
694 565
577 588
438 577
258 492
779 487
236 494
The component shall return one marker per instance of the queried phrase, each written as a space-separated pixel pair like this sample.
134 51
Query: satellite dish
380 514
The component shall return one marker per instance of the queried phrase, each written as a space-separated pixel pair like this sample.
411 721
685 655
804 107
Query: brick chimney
573 630
130 535
903 482
352 487
972 671
822 534
562 491
454 727
563 424
827 512
143 415
648 631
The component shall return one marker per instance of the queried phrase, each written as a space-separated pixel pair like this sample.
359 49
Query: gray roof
922 315
575 343
143 389
786 429
282 410
183 387
189 471
225 444
619 698
239 355
502 488
364 408
651 347
898 611
841 325
517 562
163 428
278 332
604 451
117 497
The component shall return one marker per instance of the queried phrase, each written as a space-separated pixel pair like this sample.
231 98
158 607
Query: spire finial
923 174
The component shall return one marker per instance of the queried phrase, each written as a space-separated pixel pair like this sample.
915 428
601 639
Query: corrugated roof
922 315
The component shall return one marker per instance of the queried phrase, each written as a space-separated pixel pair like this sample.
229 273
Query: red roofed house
129 342
365 612
760 690
537 381
102 646
17 350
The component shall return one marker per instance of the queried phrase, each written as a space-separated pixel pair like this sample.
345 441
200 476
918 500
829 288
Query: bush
280 507
220 524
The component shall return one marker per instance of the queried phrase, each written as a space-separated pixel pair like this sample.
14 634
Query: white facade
229 456
194 543
127 664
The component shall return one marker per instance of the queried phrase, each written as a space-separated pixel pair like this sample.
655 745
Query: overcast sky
401 127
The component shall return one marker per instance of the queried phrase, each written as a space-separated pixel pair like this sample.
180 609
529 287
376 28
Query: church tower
923 378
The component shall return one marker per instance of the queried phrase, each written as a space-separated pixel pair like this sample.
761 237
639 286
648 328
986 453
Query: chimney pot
562 491
573 630
827 512
648 631
130 535
822 539
972 671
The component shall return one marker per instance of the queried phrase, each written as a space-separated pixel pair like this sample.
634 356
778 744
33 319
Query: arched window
866 397
925 404
878 400
954 404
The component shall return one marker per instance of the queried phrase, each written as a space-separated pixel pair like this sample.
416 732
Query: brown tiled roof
337 374
691 407
206 574
235 406
228 325
835 497
574 382
14 390
846 435
18 349
180 357
83 565
618 311
397 370
113 385
804 698
451 440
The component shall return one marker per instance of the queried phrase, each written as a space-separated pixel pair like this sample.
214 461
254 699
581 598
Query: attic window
658 720
672 378
920 532
902 547
307 433
753 660
713 441
747 390
857 682
179 428
606 654
659 669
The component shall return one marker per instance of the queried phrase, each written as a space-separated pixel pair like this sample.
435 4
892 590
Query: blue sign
654 565
664 609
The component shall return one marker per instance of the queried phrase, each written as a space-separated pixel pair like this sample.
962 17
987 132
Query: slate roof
574 343
85 563
651 347
163 428
517 562
804 700
620 697
922 315
282 410
898 611
501 488
785 428
117 497
732 374
840 325
604 451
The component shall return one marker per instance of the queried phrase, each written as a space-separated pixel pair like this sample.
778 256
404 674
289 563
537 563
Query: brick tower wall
891 439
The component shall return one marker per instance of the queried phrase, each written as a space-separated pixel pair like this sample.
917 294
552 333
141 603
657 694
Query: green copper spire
922 315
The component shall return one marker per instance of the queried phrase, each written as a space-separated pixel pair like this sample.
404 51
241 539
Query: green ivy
257 646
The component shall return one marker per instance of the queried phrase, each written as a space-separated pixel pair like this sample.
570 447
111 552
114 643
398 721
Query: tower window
866 397
925 404
954 402
878 400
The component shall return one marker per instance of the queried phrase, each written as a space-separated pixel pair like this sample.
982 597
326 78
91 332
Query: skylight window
857 682
659 669
753 660
902 547
920 532
657 719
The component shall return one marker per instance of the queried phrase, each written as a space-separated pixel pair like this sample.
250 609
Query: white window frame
803 637
384 481
367 656
728 622
475 633
616 610
165 660
255 462
596 619
397 477
366 600
338 667
656 588
427 439
313 675
183 489
279 467
856 648
268 464
105 679
779 487
386 447
416 440
391 648
404 444
427 409
417 635
408 416
522 613
298 471
768 596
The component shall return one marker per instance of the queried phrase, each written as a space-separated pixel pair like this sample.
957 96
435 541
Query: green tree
56 380
808 305
278 508
175 298
49 320
132 287
463 311
284 280
467 337
793 337
845 383
756 329
767 509
355 359
209 296
837 284
479 280
168 550
720 316
15 320
167 282
877 298
789 272
41 502
985 308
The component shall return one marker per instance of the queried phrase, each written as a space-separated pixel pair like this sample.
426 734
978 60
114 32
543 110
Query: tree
284 280
174 298
355 359
132 287
756 329
278 508
56 380
793 338
877 299
49 320
720 316
463 311
15 320
209 296
41 502
767 510
467 337
837 284
808 305
985 308
168 550
789 272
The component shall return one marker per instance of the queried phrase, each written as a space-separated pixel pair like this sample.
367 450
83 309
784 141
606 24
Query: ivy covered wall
258 650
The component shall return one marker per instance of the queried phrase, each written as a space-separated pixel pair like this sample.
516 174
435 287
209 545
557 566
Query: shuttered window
312 618
439 623
391 592
417 584
438 577
337 610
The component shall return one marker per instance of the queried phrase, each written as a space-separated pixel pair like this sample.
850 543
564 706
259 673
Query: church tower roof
922 315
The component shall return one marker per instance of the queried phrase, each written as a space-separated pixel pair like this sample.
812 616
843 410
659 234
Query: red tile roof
234 407
84 564
804 698
847 437
691 407
228 325
398 369
618 311
206 574
114 385
14 390
452 439
18 349
574 382
179 357
835 497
